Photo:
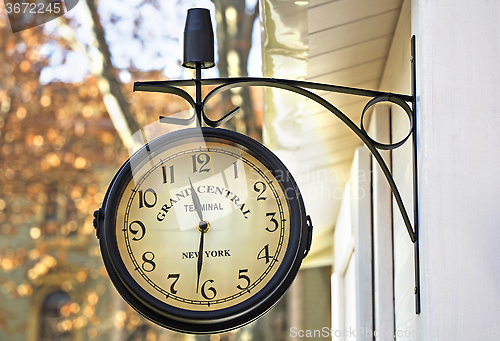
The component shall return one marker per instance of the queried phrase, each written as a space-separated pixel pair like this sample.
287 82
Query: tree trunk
234 37
109 86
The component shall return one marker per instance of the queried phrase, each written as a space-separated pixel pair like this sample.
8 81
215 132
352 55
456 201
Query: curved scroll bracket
291 86
304 88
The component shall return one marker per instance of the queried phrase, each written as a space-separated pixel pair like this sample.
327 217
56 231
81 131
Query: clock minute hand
200 254
196 201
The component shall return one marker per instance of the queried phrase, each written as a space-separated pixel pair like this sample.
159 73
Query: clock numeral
147 200
245 277
149 261
203 159
273 220
260 187
165 177
176 276
134 232
235 168
212 289
266 256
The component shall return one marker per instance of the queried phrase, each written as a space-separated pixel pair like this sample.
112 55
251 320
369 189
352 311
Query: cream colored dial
237 219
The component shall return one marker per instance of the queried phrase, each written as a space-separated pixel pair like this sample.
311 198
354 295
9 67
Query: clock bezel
215 320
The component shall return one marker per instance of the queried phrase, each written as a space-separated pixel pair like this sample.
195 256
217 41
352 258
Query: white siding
458 48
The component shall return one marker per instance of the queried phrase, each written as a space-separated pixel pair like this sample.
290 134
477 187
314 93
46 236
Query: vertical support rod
198 95
416 256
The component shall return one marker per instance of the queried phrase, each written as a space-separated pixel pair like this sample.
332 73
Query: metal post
416 255
198 95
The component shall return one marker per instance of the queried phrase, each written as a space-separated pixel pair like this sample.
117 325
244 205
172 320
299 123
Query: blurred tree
58 152
108 83
234 37
57 149
60 145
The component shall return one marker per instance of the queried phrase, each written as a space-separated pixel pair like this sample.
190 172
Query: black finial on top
198 39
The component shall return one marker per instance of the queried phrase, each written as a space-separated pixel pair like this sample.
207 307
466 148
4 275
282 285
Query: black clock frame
217 320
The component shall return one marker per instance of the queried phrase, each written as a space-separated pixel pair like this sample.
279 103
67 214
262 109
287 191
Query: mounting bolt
411 59
95 222
309 238
415 290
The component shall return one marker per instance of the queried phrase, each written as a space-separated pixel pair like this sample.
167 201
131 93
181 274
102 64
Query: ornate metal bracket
304 88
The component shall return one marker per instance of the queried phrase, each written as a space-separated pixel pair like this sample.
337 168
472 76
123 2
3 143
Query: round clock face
203 231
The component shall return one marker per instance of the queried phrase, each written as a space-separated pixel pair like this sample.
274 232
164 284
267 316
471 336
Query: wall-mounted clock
203 230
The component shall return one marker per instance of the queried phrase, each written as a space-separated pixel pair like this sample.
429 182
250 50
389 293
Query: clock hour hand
196 201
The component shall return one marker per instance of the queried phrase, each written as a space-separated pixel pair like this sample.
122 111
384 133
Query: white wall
458 52
352 286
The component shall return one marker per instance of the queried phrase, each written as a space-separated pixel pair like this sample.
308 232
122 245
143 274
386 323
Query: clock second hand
202 226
